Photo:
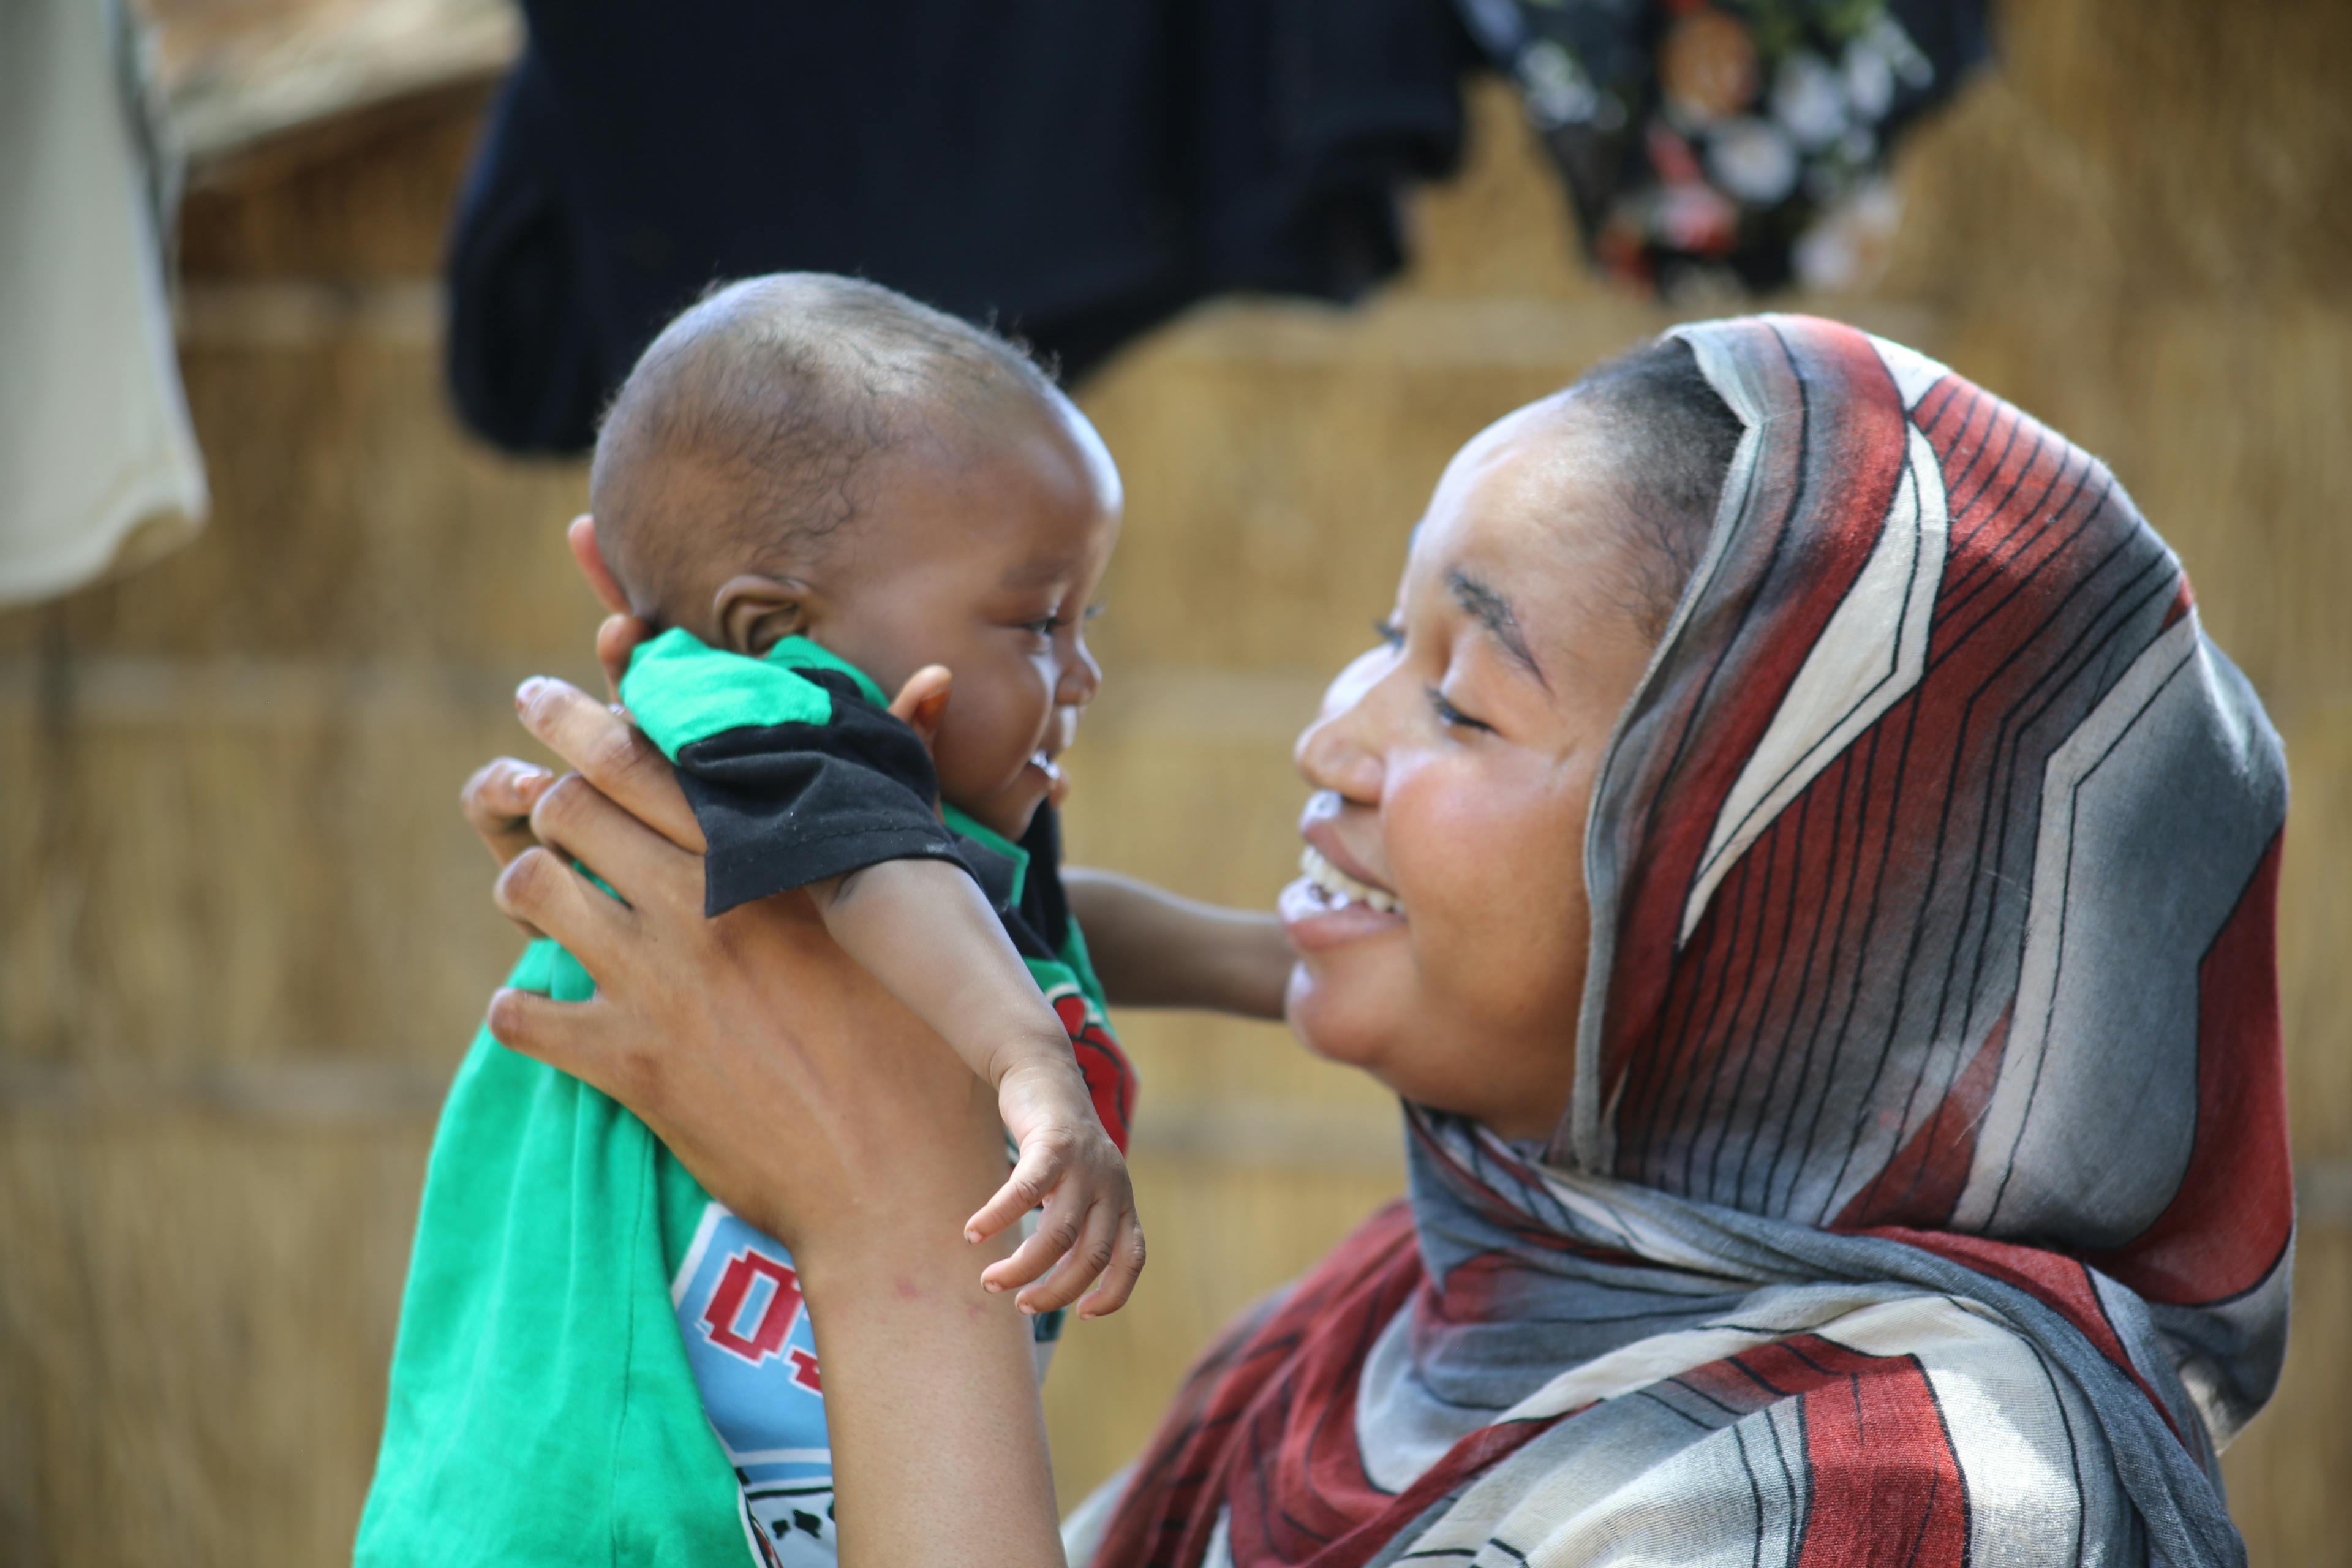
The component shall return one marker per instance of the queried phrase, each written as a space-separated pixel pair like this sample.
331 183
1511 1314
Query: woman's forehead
1527 508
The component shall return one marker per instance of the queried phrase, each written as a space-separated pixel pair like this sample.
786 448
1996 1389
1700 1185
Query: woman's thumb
923 699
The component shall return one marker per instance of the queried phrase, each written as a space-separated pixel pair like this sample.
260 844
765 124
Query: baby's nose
1081 678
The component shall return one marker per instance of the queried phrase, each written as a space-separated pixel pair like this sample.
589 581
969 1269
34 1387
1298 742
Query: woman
1833 993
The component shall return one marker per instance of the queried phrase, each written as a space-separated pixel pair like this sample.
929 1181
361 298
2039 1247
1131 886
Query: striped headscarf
1923 1199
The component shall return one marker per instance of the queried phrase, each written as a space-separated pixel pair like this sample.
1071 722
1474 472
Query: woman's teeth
1340 889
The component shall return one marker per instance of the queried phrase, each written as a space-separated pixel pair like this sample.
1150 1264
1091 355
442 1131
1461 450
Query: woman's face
1442 926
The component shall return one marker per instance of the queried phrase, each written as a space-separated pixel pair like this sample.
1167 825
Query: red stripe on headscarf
1276 1413
1886 1482
2057 1281
1852 460
1922 1184
2234 1214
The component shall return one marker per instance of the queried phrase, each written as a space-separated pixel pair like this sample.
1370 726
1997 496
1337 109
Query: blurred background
244 937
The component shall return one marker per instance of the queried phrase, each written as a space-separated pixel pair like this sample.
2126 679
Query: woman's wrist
937 1437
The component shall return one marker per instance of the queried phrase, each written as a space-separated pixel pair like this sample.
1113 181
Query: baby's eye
1452 717
1047 625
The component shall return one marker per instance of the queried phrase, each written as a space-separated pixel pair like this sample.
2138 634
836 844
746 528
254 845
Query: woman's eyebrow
1494 612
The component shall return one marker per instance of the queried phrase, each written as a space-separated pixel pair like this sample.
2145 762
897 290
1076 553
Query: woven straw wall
246 936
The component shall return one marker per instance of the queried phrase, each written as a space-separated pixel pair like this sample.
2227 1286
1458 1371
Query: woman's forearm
1154 949
939 1445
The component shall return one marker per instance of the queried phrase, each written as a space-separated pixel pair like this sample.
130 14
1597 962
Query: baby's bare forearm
1152 948
924 930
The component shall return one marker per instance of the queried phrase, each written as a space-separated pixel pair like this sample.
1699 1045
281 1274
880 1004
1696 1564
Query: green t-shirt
596 1360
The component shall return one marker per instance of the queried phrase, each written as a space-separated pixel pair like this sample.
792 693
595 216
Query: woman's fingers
617 636
496 801
610 754
538 889
570 1036
622 631
1080 1267
922 701
580 536
574 818
1118 1283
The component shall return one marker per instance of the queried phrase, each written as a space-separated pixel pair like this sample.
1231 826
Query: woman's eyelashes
1450 716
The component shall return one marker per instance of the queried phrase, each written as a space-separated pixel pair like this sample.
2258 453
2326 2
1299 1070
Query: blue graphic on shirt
753 1356
749 1343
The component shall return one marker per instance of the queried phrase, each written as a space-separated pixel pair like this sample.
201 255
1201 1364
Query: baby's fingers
1080 1265
1033 1176
1118 1283
1058 1229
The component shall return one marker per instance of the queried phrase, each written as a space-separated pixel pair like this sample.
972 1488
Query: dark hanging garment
1076 173
1733 146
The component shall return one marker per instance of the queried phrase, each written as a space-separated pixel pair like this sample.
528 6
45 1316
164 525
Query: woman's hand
809 1100
697 1020
497 800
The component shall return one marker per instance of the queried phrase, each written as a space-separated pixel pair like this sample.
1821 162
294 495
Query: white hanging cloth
99 468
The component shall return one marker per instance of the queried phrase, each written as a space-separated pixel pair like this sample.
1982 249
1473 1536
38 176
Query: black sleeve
787 805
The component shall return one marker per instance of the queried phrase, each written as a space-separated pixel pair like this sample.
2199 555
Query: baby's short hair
746 427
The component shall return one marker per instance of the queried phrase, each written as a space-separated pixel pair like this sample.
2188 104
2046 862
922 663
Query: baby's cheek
977 757
961 755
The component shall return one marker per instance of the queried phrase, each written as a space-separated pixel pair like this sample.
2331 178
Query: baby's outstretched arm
1155 949
923 929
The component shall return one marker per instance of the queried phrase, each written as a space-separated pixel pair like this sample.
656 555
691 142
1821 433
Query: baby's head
806 455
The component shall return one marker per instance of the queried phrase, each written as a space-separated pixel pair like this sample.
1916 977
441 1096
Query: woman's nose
1339 750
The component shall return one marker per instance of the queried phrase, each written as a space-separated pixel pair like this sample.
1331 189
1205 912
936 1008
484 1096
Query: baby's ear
754 613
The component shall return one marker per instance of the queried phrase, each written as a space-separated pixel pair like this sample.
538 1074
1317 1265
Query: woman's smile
1338 888
1337 899
1326 907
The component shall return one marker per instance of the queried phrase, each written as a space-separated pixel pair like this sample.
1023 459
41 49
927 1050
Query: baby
817 492
727 493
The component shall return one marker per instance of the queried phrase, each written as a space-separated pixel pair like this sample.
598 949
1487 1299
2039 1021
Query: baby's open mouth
1046 765
1337 889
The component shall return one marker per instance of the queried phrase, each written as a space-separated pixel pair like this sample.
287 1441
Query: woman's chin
1344 1023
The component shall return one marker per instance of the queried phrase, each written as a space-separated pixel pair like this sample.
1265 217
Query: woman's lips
1327 906
1319 826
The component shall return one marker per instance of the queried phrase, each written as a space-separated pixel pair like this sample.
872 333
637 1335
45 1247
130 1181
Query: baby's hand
1069 1161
